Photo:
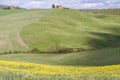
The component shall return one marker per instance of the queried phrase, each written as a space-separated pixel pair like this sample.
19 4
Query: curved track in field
12 24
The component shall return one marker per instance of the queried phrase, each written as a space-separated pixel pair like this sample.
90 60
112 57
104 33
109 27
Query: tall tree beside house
53 5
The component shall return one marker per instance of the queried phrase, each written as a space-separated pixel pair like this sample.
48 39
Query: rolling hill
3 6
11 24
73 29
114 11
102 57
59 29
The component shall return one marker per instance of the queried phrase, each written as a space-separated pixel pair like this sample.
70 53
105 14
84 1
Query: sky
75 4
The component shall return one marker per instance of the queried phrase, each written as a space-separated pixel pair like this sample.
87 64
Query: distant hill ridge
3 6
112 11
9 7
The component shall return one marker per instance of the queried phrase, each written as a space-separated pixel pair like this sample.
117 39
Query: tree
53 5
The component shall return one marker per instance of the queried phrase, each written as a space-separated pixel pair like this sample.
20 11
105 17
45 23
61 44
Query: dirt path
11 26
20 40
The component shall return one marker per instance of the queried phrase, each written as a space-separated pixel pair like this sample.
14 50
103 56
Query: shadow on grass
107 52
100 57
104 40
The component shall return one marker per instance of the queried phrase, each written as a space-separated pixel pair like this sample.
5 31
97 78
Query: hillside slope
106 11
73 29
11 24
8 12
2 6
110 56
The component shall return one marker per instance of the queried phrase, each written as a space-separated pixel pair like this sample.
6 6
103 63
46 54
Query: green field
97 35
88 58
11 24
8 12
48 30
73 29
106 11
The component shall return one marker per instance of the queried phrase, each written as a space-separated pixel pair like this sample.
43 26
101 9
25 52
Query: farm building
57 6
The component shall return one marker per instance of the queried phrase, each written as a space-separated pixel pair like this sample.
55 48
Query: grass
8 12
23 76
106 11
101 57
73 29
11 24
49 30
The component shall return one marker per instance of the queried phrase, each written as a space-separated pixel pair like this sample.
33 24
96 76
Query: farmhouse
57 6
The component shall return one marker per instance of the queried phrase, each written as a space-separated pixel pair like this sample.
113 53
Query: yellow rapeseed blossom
32 68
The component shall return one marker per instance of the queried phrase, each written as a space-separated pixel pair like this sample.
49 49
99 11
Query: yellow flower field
31 68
